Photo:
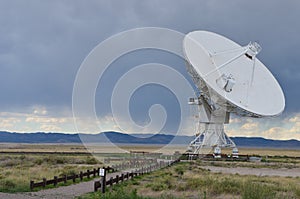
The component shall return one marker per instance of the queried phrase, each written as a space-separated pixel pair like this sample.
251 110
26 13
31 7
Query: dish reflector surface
233 74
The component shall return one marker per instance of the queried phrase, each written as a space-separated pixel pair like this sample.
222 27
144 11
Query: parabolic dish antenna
231 80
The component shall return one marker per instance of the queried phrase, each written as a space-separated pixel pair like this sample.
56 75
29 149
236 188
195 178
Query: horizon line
76 133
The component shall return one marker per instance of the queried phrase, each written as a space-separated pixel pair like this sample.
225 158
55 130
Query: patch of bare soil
284 172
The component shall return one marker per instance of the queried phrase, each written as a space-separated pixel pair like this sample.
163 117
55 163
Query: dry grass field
78 148
18 147
190 180
16 170
267 152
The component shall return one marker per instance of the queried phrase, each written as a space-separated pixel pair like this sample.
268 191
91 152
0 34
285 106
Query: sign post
102 173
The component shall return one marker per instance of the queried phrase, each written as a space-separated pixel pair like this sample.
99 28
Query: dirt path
284 172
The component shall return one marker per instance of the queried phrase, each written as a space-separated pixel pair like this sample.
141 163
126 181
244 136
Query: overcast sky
43 43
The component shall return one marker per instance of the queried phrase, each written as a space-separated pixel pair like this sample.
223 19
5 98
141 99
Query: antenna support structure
210 134
230 79
211 117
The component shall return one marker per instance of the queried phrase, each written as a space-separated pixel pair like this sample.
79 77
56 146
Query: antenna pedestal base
213 136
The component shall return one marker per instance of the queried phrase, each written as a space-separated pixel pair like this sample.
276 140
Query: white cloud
50 128
8 122
272 128
235 120
47 120
40 110
36 119
296 118
281 133
250 126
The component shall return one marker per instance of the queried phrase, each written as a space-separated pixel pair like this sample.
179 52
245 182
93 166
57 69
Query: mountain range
116 137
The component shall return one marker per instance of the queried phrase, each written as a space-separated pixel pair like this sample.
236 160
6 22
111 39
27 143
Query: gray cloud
42 43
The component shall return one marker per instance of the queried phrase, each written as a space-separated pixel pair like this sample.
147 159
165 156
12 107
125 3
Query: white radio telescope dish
231 80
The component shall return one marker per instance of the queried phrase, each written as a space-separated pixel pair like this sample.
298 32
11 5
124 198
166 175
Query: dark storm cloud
42 46
42 43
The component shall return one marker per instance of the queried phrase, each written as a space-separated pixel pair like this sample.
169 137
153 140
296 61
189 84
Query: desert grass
21 147
272 163
16 171
189 180
266 152
79 148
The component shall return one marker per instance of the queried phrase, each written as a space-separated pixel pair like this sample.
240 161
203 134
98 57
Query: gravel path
63 192
284 172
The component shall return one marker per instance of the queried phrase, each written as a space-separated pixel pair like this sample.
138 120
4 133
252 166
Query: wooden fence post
44 182
74 177
94 172
55 181
111 181
81 176
31 184
122 177
88 173
129 175
117 179
65 178
97 184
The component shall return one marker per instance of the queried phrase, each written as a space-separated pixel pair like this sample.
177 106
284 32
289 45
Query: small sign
102 172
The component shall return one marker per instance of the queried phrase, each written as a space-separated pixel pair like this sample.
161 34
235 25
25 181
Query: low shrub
69 171
253 190
156 186
179 170
8 184
118 193
91 160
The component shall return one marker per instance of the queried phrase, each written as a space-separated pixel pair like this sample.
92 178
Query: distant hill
39 137
116 137
265 143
